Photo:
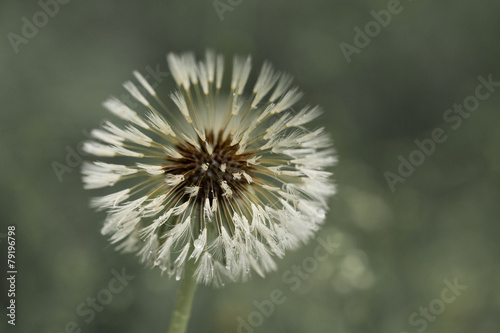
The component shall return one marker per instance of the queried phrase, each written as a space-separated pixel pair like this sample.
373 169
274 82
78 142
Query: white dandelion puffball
224 177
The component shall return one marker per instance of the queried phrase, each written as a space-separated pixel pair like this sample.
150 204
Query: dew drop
197 244
247 270
178 277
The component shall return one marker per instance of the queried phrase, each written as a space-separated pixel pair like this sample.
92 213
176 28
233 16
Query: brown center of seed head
209 171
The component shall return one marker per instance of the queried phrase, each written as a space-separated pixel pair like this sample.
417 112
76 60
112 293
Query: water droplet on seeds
197 244
177 277
247 270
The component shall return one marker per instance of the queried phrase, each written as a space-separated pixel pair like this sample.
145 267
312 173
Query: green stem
182 311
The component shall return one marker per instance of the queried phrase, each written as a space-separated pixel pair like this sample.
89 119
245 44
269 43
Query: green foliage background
397 247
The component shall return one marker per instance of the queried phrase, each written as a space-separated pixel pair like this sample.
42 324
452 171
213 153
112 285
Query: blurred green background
396 247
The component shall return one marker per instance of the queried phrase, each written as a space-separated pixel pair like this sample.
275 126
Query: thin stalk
182 311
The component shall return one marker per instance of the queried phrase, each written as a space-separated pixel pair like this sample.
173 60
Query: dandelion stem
182 311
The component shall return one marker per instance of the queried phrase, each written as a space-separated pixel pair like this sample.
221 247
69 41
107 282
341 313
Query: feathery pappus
223 174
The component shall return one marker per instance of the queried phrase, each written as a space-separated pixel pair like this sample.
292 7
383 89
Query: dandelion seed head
226 177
